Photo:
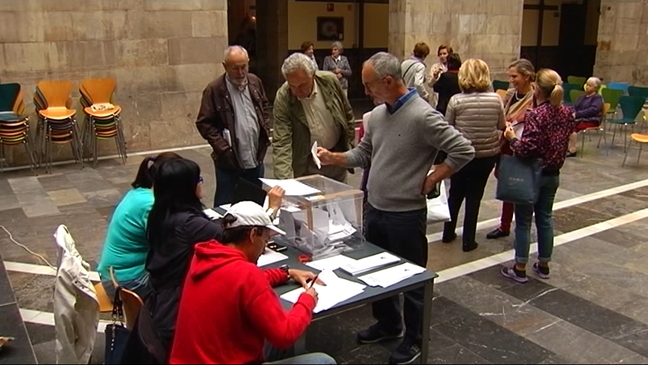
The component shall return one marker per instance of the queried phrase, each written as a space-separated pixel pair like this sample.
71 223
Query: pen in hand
313 281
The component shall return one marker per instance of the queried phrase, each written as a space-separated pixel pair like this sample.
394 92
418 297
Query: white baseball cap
248 214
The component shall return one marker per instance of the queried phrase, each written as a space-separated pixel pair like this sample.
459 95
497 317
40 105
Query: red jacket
228 309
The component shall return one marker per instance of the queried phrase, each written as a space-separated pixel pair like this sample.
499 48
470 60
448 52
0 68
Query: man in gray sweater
402 138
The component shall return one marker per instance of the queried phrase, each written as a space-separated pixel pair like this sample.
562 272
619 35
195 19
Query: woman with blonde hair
519 98
478 114
546 136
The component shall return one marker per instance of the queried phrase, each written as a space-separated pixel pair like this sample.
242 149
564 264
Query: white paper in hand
315 158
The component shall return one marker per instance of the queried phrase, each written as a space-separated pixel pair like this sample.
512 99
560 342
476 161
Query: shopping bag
437 208
518 179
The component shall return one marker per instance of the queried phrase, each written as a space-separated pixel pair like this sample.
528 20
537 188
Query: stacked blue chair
14 122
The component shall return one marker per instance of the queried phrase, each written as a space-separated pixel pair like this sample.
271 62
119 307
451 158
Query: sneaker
406 353
376 333
541 271
497 233
514 274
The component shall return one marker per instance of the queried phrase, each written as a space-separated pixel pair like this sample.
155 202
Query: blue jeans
140 286
402 233
312 358
226 181
543 219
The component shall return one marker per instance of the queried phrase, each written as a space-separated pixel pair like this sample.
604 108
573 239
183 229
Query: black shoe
406 353
447 238
570 154
497 233
376 333
467 247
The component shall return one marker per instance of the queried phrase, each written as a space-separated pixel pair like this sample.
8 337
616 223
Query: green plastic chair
575 94
567 88
631 106
578 80
500 85
638 91
612 96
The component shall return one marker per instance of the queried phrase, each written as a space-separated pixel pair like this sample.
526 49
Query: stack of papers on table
270 257
393 275
336 291
331 263
369 263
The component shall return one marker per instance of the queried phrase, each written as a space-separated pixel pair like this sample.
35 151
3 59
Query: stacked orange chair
14 122
102 117
57 121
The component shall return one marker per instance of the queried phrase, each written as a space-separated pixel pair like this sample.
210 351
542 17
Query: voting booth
322 217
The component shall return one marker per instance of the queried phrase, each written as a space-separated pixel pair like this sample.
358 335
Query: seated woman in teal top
126 247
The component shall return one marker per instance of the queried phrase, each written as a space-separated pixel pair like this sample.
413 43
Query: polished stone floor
594 309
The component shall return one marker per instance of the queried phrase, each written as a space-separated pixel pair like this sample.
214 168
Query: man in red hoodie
228 309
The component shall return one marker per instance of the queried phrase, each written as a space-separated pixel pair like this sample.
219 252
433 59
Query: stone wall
622 53
162 53
486 29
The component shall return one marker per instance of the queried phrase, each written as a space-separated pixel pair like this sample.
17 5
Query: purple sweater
589 108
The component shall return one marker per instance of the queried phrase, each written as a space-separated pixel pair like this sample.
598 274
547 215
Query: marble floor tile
66 197
577 346
490 341
18 351
621 238
25 185
30 290
456 354
616 206
6 292
54 182
582 313
9 202
496 306
40 209
102 198
573 218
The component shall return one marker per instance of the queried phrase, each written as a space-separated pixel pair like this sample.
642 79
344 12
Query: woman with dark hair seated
125 247
175 225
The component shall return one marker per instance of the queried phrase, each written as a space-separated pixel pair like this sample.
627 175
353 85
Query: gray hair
386 64
234 49
338 45
595 81
298 61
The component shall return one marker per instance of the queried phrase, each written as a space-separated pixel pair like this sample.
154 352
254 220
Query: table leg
428 293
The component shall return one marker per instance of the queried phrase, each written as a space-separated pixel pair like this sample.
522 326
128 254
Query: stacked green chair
102 117
577 80
500 85
575 94
567 88
14 122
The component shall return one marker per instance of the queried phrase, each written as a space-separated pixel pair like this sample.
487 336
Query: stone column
622 53
486 29
272 42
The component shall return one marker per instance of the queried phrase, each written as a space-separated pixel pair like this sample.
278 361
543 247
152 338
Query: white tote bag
437 208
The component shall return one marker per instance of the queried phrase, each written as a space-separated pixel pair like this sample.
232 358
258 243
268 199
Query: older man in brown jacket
233 118
309 107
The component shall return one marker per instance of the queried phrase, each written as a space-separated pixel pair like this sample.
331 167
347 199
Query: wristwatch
286 269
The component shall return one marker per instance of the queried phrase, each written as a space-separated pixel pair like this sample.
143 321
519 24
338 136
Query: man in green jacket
309 107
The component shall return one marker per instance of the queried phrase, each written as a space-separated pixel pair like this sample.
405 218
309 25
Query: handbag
437 204
116 333
518 180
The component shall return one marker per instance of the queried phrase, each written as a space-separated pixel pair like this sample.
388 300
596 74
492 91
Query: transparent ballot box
322 217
